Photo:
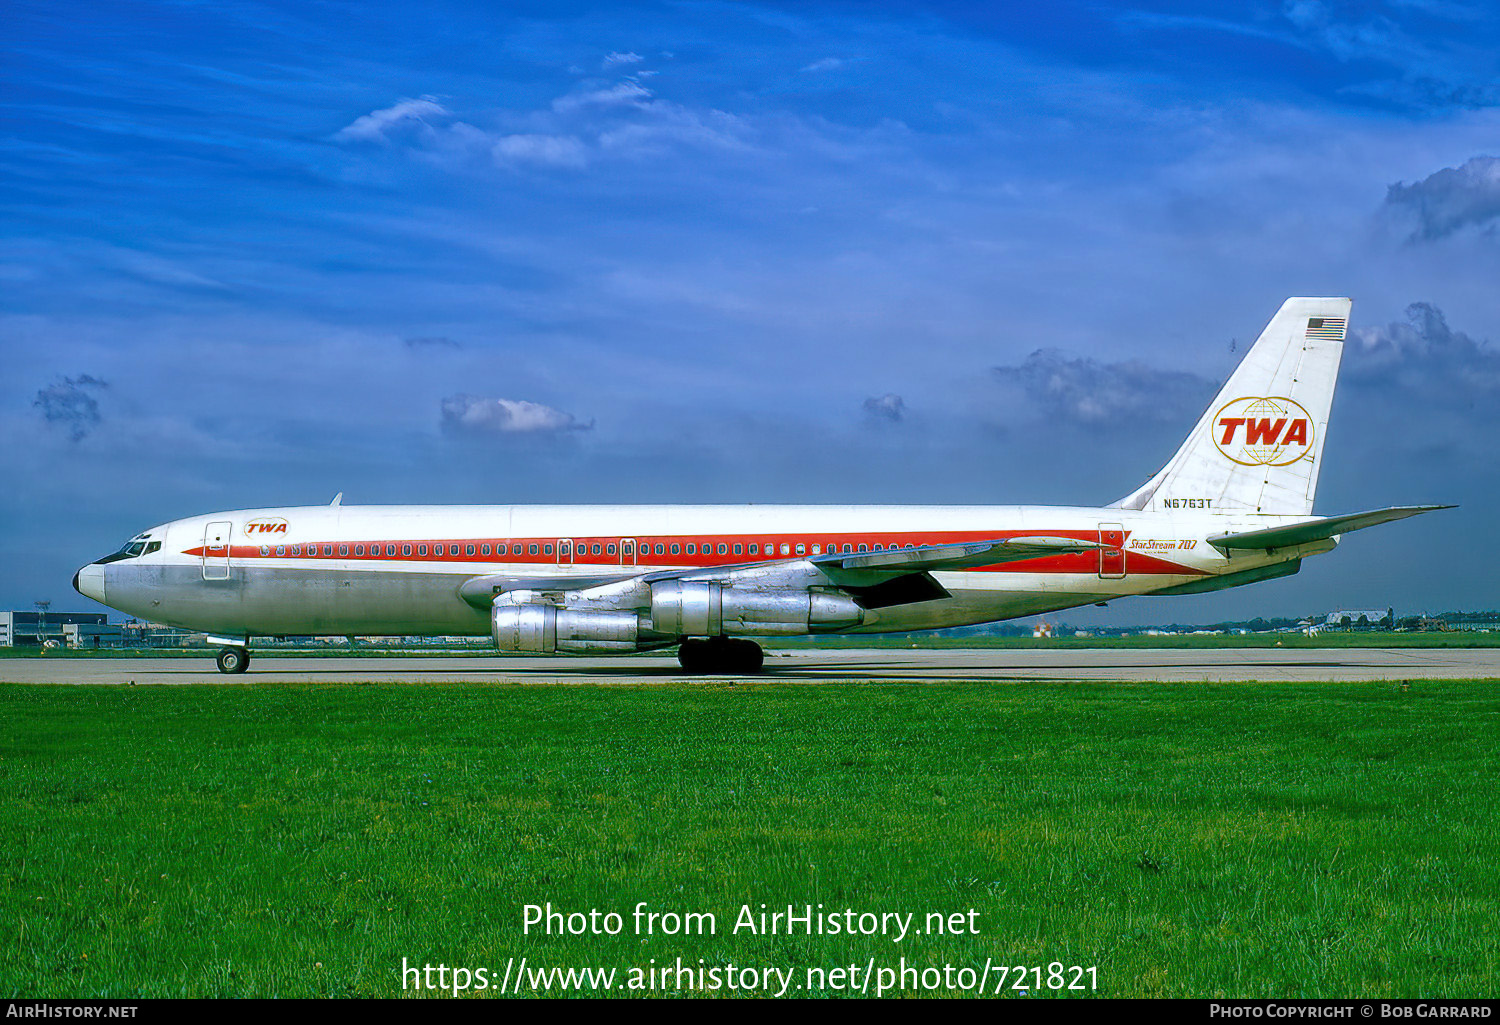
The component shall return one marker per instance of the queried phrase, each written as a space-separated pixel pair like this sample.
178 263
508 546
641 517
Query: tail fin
1259 445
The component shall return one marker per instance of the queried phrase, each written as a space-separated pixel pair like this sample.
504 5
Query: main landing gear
729 655
233 660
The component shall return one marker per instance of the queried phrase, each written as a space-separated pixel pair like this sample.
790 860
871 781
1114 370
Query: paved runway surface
866 664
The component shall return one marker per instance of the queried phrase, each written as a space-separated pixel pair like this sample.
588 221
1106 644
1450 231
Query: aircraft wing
901 576
847 565
482 590
874 579
1317 530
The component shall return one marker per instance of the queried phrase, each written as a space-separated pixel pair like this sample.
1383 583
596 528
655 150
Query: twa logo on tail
1269 431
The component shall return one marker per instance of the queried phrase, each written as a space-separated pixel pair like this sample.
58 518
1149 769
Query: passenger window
675 548
596 549
786 549
390 550
280 550
296 549
755 549
801 548
737 548
406 549
359 549
723 548
468 549
264 551
817 549
343 550
547 549
485 549
611 548
862 548
692 549
659 550
629 547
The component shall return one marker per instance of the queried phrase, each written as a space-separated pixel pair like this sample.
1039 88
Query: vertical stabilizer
1259 445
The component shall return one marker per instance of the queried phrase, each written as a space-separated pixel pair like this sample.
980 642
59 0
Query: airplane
1232 507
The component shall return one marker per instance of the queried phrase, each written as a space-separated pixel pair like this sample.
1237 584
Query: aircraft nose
89 582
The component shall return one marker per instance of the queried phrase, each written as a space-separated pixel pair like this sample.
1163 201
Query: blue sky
257 253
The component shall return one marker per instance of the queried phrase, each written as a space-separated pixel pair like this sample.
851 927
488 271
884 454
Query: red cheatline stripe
519 551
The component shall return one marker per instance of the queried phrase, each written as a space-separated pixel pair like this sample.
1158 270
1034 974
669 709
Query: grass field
1189 840
482 648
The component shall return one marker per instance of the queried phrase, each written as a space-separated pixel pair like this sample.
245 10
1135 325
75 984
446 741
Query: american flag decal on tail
1331 328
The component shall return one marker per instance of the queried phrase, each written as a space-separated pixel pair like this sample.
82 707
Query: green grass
481 648
1371 639
1188 839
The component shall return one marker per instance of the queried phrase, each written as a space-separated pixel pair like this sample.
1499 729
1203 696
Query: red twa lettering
1263 432
1296 434
1229 423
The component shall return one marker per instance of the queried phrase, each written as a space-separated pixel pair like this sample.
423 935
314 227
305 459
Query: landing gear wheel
727 655
746 657
233 660
694 657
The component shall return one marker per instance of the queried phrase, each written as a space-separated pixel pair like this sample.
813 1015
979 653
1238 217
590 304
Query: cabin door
1112 555
216 550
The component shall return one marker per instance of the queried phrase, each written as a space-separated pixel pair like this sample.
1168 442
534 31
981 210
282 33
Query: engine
677 609
535 627
694 608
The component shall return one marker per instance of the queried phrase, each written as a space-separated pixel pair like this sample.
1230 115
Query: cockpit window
131 549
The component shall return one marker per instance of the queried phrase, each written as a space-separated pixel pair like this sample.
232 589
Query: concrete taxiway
800 666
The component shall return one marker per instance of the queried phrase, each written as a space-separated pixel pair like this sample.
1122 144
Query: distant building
33 629
1360 619
94 635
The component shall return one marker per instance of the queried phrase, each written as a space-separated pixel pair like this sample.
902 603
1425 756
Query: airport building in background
33 629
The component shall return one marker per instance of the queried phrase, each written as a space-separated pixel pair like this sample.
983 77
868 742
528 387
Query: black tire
233 660
746 657
727 656
693 656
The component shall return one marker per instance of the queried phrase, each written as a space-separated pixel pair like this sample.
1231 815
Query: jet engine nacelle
694 608
544 629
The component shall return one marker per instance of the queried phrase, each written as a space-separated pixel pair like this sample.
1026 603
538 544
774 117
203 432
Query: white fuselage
360 570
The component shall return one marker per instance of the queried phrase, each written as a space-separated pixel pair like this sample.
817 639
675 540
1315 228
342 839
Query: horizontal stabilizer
1317 530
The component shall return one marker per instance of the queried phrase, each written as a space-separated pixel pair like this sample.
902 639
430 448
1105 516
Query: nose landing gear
729 655
233 660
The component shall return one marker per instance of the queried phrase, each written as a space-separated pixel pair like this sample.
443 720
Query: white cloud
622 58
626 93
545 150
1451 199
826 64
887 408
373 126
470 414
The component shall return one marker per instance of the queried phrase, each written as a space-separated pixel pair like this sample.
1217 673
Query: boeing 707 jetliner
1232 507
